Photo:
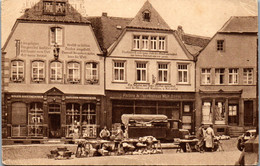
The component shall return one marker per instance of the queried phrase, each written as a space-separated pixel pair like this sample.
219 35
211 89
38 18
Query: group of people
206 138
105 134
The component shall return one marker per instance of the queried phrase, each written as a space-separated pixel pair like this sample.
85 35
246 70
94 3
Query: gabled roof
155 22
240 24
107 29
36 14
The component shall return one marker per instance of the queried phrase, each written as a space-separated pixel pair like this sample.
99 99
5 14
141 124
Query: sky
198 17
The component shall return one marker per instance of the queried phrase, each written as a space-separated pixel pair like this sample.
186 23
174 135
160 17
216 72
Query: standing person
104 133
200 136
209 138
119 134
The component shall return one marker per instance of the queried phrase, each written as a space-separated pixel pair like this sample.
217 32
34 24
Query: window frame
53 7
218 74
17 80
168 72
74 80
153 42
52 43
137 42
183 70
91 80
44 71
62 77
205 76
233 75
141 69
162 43
145 41
246 81
221 45
119 68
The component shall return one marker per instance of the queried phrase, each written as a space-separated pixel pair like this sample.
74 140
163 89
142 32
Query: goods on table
60 154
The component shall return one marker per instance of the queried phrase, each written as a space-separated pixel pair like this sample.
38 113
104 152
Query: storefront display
35 120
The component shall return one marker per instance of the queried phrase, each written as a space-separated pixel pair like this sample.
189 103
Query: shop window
145 107
219 76
163 73
19 119
182 73
38 72
233 114
162 43
92 73
233 76
206 113
56 36
35 119
141 72
72 119
220 112
56 71
136 42
205 76
145 42
119 71
73 72
248 76
220 45
89 120
153 42
17 71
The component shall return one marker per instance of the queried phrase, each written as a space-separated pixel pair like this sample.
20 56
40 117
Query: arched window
56 71
73 72
92 72
17 71
38 71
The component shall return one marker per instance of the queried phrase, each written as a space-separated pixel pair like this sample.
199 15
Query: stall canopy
142 118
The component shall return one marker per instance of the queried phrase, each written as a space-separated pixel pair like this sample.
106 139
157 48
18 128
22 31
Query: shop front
175 105
52 115
223 109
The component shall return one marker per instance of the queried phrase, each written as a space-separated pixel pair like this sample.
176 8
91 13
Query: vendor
119 134
104 133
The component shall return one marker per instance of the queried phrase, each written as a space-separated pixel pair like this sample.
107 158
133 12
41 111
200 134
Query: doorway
54 121
248 113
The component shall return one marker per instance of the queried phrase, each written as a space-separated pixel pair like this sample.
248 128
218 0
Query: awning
142 118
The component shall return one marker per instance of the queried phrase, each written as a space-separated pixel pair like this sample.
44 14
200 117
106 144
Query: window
183 73
220 45
35 119
19 119
72 119
56 71
248 76
219 76
73 72
161 43
54 8
92 72
233 76
220 112
206 113
89 127
48 7
38 71
233 114
141 72
145 40
146 16
17 71
163 73
205 76
119 71
56 36
60 8
153 42
137 42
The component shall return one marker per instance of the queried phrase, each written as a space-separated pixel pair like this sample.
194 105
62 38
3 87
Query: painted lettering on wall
149 54
151 86
157 96
78 51
26 96
33 49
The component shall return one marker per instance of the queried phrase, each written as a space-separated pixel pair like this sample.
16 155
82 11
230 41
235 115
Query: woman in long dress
209 137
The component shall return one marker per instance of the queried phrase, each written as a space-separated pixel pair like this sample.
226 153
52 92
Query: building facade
226 78
149 71
52 75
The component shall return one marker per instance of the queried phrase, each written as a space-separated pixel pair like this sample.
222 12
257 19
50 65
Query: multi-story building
226 78
52 75
148 69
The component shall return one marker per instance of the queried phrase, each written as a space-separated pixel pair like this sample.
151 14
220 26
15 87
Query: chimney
104 14
180 32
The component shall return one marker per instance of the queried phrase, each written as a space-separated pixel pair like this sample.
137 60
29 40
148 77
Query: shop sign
151 86
156 96
81 97
27 96
148 54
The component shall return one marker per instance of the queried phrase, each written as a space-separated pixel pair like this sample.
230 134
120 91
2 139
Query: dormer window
147 16
54 8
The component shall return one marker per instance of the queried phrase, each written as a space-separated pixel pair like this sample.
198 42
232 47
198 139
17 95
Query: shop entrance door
248 113
54 121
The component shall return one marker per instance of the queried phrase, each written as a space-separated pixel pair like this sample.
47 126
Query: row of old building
62 73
